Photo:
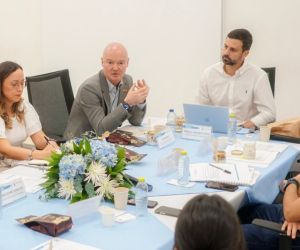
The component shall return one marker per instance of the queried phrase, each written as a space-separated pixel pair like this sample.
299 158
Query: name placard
195 132
165 138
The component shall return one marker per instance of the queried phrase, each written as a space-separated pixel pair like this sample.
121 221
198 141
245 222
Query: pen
48 141
217 167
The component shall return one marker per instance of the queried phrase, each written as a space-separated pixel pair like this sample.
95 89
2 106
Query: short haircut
208 222
242 35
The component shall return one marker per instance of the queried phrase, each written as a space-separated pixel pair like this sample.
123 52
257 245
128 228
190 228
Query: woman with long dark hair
18 119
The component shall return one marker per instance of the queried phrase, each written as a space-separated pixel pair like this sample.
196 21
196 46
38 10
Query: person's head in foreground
208 222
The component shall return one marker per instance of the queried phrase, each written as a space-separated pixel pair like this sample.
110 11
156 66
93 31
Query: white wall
274 25
20 29
169 42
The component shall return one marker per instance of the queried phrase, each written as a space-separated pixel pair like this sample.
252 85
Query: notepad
59 244
240 174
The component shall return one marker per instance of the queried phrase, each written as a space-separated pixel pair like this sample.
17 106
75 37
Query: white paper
266 153
121 216
32 177
61 244
175 182
240 174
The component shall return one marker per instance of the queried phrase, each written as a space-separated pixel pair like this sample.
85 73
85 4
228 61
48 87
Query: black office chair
271 74
285 242
52 97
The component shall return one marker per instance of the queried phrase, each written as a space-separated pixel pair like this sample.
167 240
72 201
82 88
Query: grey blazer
91 109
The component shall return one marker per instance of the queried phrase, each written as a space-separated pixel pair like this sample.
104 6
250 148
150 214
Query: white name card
165 138
12 190
84 207
196 132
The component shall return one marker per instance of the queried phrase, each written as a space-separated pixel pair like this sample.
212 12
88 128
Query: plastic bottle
183 172
232 126
171 119
141 197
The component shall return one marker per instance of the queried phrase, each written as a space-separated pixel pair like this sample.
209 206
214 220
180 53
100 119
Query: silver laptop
206 115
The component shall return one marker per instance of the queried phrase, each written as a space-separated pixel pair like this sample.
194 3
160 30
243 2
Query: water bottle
141 197
232 126
183 172
171 119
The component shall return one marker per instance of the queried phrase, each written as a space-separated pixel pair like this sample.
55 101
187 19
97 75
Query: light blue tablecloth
265 189
143 233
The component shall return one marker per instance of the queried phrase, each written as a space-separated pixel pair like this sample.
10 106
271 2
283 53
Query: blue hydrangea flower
70 166
104 152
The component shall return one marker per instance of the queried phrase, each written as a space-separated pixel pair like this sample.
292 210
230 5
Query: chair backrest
271 74
52 96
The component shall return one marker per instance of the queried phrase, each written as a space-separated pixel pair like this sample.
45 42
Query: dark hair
208 222
7 68
242 35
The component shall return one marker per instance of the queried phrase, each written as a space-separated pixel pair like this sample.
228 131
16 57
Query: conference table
149 232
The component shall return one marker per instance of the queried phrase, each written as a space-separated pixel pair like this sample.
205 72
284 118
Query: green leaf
89 188
120 166
76 148
76 197
77 184
87 146
121 153
49 182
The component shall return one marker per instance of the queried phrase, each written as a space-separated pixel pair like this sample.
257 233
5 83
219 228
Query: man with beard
241 86
105 100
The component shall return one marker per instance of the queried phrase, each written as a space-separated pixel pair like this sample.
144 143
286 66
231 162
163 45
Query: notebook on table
240 174
206 115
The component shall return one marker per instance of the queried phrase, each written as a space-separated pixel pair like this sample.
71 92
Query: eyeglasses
16 84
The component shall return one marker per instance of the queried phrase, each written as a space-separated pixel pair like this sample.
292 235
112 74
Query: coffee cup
121 197
264 133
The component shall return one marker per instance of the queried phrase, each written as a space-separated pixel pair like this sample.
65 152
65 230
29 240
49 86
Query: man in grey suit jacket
105 100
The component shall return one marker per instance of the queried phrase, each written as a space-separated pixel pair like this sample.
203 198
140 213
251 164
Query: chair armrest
276 227
268 225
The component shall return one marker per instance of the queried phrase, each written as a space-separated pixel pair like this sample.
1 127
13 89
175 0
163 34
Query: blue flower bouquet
85 168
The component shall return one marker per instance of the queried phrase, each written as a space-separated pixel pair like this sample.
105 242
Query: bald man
104 101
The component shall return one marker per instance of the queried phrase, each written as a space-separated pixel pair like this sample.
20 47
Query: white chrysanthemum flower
96 172
107 187
66 189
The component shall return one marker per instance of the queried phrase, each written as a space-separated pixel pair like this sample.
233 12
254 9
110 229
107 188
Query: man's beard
227 61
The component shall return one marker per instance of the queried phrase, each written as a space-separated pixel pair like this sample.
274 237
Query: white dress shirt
248 93
114 94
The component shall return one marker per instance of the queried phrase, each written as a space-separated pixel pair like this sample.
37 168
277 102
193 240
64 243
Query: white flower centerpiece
85 168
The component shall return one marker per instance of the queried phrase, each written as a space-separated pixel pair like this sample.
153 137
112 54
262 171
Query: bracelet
292 181
30 154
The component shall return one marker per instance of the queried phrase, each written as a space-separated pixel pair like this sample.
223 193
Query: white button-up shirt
248 93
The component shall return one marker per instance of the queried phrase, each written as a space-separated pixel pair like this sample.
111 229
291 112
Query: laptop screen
206 115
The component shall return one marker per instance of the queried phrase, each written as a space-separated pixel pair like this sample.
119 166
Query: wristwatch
291 181
126 106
